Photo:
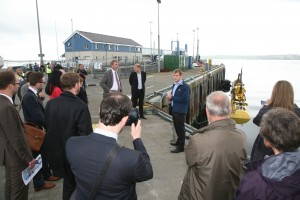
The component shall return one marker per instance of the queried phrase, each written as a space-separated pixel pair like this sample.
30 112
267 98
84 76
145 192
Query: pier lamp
197 45
41 55
151 42
158 61
193 44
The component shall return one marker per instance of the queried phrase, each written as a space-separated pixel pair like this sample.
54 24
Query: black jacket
133 81
66 116
259 150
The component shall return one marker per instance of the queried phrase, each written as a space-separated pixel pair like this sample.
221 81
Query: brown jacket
215 155
14 150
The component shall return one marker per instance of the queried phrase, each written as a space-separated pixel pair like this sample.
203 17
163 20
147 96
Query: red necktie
118 82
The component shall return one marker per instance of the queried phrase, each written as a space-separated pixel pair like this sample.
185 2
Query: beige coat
215 155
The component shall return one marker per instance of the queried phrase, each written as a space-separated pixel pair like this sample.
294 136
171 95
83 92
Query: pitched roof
95 37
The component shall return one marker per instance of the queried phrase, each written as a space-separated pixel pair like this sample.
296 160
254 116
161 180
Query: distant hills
256 57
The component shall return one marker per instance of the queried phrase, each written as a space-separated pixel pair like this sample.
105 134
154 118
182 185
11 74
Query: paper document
28 174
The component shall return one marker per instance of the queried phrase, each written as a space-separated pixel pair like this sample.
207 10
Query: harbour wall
201 85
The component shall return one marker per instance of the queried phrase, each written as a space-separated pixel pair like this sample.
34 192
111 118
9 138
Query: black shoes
174 143
143 117
177 150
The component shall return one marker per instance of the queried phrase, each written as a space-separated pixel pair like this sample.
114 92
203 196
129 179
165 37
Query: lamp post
177 44
193 44
41 55
197 45
151 41
158 41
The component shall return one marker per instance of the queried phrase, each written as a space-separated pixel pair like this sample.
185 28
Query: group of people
216 154
110 83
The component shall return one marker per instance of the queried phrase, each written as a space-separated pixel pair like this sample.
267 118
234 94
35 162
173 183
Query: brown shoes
47 185
52 178
44 187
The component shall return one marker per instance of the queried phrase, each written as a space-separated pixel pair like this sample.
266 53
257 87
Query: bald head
218 104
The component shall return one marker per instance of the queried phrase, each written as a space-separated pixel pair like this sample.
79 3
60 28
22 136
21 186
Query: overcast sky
226 27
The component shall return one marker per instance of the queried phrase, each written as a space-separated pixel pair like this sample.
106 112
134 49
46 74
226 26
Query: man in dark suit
66 116
110 81
34 112
137 81
87 154
15 153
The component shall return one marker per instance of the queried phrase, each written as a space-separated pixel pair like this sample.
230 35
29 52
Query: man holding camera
87 154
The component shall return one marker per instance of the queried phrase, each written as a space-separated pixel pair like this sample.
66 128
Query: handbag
35 136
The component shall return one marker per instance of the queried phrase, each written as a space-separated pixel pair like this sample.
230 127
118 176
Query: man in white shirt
110 81
137 81
34 112
15 153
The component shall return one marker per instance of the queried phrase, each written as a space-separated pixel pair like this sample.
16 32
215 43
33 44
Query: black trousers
178 120
138 95
45 172
69 184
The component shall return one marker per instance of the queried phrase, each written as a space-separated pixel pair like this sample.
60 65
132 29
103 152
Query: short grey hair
218 104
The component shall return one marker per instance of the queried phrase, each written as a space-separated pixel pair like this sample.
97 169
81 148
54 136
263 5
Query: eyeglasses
42 82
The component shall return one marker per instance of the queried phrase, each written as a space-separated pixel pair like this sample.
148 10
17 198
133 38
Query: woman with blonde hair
282 97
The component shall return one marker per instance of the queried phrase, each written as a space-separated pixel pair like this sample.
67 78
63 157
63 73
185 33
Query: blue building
85 46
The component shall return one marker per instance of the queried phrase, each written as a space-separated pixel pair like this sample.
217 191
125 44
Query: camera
133 117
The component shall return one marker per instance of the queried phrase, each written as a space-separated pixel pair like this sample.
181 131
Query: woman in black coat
283 97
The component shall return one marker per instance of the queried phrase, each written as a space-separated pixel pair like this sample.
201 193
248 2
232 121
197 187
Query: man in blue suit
87 154
179 98
34 112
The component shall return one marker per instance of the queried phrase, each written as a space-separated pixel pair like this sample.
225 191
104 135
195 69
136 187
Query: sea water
259 77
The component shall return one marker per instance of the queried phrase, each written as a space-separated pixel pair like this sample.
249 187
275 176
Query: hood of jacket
282 173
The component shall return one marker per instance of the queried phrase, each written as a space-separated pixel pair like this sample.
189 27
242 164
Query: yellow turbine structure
238 102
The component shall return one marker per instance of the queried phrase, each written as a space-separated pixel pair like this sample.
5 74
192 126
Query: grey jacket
215 156
107 82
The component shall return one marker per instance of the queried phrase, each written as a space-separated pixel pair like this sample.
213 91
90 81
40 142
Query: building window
129 48
68 44
117 48
85 46
96 46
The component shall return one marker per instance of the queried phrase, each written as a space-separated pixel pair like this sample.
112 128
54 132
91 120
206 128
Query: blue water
259 77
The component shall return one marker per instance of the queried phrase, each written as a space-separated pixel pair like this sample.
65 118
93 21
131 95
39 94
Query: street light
41 55
193 44
158 65
151 41
197 45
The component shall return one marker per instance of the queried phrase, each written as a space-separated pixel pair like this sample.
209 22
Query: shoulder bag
35 136
112 154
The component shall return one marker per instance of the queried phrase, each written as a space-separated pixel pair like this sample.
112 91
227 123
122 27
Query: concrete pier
169 169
